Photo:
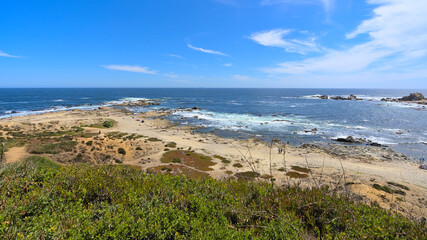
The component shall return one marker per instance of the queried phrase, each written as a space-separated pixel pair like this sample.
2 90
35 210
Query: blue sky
214 43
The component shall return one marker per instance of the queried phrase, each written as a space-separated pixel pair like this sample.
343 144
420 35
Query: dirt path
15 154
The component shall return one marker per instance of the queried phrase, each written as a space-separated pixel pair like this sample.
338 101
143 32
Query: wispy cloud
170 75
275 38
228 65
174 56
206 50
327 4
398 39
128 68
241 77
3 54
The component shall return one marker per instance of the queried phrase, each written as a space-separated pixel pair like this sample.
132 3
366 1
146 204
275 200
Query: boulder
351 139
341 98
374 144
348 139
413 97
324 97
352 97
137 103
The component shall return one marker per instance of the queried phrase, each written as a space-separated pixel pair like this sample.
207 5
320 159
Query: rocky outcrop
351 139
138 103
351 97
417 98
412 97
361 153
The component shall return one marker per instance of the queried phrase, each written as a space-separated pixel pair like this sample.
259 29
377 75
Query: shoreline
363 167
319 133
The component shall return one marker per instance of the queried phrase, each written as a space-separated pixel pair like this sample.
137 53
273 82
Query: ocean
286 114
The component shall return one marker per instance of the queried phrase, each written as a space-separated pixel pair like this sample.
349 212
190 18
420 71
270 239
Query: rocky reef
350 97
417 98
138 103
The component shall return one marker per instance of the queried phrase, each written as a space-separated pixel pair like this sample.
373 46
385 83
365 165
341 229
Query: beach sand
146 142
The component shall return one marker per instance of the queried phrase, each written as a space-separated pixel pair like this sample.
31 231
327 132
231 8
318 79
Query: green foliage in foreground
108 124
40 199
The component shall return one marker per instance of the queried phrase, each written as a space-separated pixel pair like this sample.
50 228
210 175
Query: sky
214 43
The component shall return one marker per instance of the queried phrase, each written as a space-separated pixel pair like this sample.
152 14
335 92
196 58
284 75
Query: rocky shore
137 103
417 98
150 142
349 98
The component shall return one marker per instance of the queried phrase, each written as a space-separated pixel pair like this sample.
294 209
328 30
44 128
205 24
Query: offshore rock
412 97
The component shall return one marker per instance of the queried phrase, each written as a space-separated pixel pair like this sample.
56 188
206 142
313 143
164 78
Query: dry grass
188 158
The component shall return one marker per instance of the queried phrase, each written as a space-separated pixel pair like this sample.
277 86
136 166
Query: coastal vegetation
38 196
188 158
109 123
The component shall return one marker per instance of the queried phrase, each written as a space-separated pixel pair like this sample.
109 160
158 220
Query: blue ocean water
287 114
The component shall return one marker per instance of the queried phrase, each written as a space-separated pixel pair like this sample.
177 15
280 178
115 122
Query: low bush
108 124
121 151
52 148
238 165
171 145
42 200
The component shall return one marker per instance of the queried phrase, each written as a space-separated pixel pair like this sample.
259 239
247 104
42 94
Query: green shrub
398 185
171 145
153 139
52 148
223 159
42 200
79 157
108 124
238 165
388 189
121 151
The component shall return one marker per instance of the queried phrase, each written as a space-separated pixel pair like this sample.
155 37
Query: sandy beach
153 143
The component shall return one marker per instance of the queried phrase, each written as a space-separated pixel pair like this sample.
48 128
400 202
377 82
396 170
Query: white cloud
130 68
275 38
174 56
206 50
397 39
170 75
3 54
241 77
228 65
327 4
